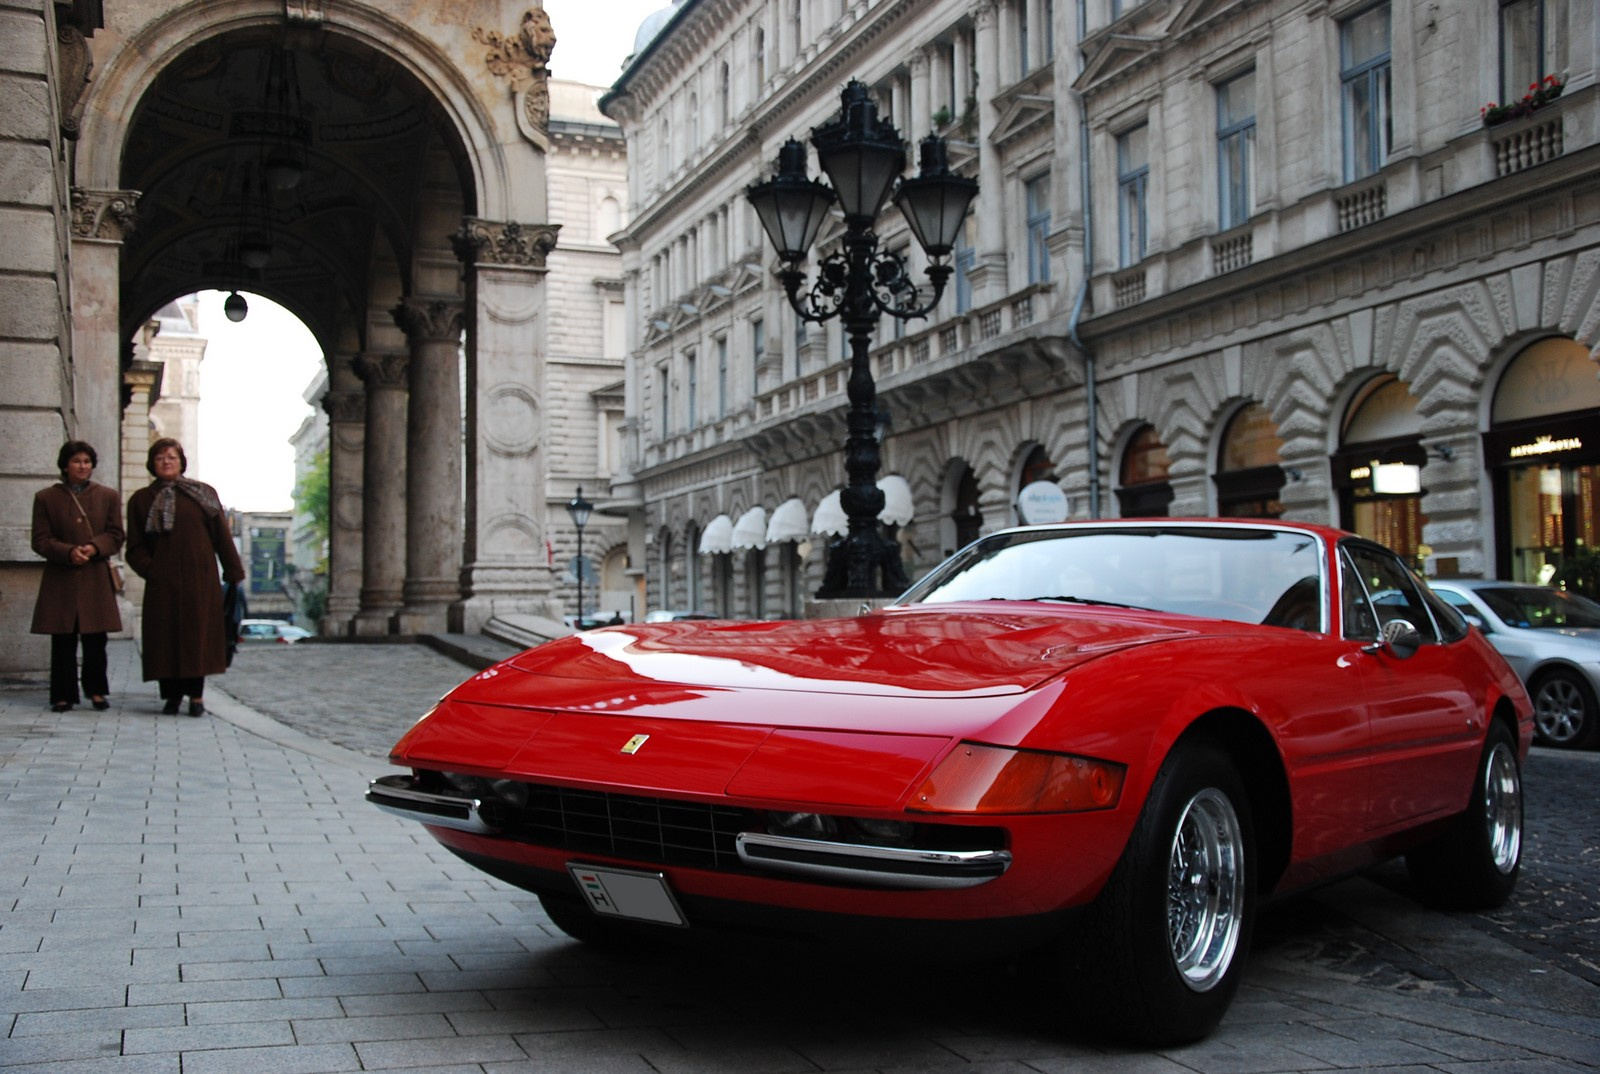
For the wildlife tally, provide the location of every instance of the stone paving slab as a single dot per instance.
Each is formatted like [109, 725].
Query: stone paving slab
[213, 895]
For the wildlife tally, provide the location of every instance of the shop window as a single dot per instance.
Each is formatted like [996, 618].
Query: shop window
[1249, 477]
[1544, 459]
[1381, 427]
[1144, 489]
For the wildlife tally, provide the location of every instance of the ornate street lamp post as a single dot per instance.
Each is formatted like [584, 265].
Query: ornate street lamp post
[579, 509]
[863, 157]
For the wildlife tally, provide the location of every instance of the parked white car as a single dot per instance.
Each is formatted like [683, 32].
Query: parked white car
[1552, 639]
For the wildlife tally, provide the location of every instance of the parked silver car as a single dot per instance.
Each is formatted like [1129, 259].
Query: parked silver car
[1552, 639]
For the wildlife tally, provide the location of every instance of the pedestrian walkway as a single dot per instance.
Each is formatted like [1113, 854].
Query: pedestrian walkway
[212, 895]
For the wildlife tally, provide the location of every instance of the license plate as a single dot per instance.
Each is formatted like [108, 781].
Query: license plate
[628, 893]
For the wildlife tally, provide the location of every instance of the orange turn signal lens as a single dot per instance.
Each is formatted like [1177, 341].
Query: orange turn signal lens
[993, 779]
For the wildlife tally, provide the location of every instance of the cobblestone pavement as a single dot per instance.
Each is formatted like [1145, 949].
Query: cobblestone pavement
[207, 896]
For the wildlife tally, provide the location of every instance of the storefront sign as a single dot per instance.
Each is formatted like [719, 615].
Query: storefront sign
[1546, 445]
[1042, 502]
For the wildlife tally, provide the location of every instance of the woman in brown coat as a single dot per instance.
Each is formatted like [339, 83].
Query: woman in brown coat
[77, 528]
[177, 531]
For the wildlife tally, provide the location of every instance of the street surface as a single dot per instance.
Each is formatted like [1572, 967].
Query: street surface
[198, 896]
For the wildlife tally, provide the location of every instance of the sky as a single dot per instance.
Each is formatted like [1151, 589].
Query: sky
[255, 371]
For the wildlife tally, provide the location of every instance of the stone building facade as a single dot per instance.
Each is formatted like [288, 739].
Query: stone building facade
[380, 169]
[1241, 258]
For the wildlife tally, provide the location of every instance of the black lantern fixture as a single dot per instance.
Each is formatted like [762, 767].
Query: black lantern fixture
[234, 307]
[579, 510]
[863, 157]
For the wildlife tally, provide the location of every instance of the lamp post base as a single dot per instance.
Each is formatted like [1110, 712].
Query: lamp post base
[863, 566]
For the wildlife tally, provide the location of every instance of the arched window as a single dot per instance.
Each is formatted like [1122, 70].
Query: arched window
[1144, 489]
[1544, 457]
[1249, 478]
[963, 518]
[1381, 427]
[608, 217]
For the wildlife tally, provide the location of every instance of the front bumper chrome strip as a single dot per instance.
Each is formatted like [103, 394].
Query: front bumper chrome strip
[891, 867]
[398, 794]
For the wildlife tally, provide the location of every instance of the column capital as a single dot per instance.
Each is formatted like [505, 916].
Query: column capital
[104, 214]
[984, 13]
[343, 406]
[430, 320]
[491, 242]
[379, 370]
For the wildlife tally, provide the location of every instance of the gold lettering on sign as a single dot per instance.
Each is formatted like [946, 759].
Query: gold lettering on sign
[1546, 445]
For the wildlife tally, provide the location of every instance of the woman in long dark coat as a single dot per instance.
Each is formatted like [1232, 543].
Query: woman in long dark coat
[77, 528]
[177, 532]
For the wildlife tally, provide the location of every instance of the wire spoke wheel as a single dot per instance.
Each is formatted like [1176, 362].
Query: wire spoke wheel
[1205, 889]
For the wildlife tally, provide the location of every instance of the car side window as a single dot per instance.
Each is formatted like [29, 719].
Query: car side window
[1359, 622]
[1392, 591]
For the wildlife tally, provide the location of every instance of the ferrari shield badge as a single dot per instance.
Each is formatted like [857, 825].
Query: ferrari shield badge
[633, 744]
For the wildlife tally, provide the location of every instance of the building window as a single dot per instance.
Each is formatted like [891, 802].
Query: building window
[1022, 37]
[758, 348]
[1037, 196]
[664, 390]
[965, 257]
[1364, 74]
[1236, 150]
[799, 343]
[724, 96]
[1133, 182]
[722, 377]
[693, 127]
[1533, 44]
[692, 372]
[758, 61]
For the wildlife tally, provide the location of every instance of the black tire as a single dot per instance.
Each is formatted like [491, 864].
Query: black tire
[1475, 863]
[1168, 937]
[1564, 711]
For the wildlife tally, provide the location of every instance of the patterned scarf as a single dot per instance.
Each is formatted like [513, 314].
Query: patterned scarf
[165, 504]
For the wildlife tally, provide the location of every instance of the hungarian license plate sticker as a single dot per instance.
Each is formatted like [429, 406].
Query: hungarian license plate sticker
[628, 893]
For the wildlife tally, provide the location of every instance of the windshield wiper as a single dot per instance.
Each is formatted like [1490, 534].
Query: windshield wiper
[1091, 600]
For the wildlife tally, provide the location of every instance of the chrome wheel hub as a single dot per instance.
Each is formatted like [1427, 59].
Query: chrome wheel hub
[1205, 889]
[1502, 807]
[1558, 711]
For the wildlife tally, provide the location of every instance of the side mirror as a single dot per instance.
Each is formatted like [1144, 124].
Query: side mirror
[1399, 638]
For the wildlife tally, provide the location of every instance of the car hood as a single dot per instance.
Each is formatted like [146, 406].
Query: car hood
[924, 652]
[740, 708]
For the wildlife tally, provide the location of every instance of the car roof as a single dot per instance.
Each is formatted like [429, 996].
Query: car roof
[1329, 533]
[1484, 583]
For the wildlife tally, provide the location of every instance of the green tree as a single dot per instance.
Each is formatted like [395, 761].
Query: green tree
[312, 499]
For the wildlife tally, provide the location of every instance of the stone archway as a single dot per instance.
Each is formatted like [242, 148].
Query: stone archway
[417, 231]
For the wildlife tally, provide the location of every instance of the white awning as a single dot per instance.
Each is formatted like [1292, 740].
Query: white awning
[717, 537]
[897, 509]
[830, 516]
[788, 522]
[751, 529]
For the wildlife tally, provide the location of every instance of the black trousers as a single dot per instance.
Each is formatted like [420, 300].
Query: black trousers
[173, 689]
[64, 667]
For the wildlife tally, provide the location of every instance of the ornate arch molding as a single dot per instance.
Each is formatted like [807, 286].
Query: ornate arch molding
[131, 69]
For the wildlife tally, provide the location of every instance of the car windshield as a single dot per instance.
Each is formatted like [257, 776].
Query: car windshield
[1242, 574]
[1541, 609]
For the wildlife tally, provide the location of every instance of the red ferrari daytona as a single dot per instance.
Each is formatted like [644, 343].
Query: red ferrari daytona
[1108, 741]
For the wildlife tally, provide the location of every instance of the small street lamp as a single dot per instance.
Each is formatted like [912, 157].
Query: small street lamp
[579, 509]
[863, 157]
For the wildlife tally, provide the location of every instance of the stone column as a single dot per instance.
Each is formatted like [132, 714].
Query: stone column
[433, 327]
[988, 273]
[141, 381]
[383, 491]
[100, 221]
[506, 566]
[346, 410]
[921, 112]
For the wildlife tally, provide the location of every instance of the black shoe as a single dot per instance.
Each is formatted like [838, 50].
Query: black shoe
[100, 703]
[61, 706]
[197, 707]
[171, 707]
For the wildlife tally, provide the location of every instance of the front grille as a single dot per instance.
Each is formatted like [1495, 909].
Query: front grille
[660, 830]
